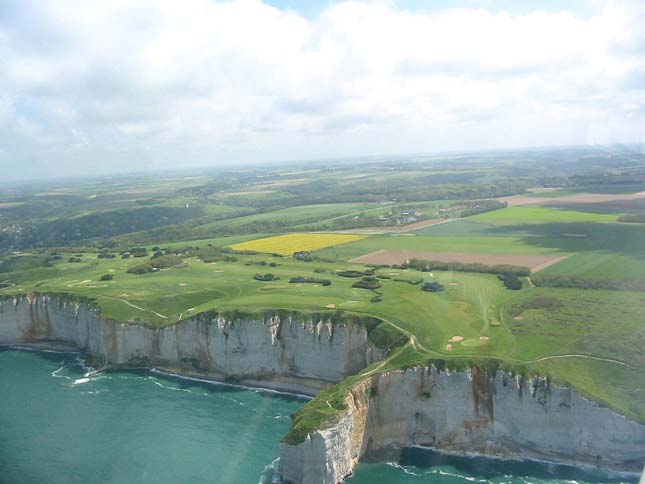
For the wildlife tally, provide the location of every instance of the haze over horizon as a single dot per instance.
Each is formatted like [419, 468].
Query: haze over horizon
[121, 86]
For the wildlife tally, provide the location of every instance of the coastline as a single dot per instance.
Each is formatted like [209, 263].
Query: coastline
[301, 392]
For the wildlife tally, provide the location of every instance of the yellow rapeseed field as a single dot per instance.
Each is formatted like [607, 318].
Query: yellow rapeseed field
[290, 243]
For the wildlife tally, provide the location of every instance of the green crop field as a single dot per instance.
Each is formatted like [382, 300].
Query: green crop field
[512, 215]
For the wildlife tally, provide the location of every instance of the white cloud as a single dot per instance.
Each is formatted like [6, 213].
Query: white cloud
[169, 83]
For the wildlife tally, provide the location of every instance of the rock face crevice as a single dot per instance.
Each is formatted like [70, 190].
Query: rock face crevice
[288, 353]
[495, 415]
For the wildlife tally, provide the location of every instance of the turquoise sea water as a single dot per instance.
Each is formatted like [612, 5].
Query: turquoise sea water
[58, 427]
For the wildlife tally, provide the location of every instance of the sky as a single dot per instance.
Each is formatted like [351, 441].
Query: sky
[122, 85]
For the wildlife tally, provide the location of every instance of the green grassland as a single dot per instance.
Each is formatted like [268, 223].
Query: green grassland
[512, 215]
[606, 325]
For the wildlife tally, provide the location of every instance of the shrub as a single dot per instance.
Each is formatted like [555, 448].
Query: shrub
[350, 273]
[106, 255]
[265, 277]
[166, 261]
[140, 269]
[432, 286]
[106, 277]
[300, 279]
[368, 282]
[138, 251]
[303, 255]
[74, 259]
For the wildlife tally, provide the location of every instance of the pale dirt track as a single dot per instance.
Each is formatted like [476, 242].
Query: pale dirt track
[389, 257]
[400, 228]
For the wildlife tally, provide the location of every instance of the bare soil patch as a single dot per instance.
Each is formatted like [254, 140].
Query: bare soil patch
[389, 257]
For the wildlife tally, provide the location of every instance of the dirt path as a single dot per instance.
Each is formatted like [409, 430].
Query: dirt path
[576, 355]
[400, 229]
[355, 213]
[135, 306]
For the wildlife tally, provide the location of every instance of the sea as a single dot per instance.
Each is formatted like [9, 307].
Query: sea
[59, 426]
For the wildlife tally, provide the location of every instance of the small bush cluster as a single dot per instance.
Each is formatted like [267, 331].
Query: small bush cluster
[300, 279]
[106, 255]
[106, 277]
[432, 286]
[260, 263]
[368, 282]
[136, 252]
[303, 256]
[350, 273]
[162, 262]
[265, 277]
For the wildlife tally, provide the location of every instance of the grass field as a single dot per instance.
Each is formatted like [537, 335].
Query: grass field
[540, 215]
[290, 243]
[475, 308]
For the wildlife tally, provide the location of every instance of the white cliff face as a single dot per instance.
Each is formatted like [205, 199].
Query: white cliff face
[282, 352]
[449, 411]
[462, 412]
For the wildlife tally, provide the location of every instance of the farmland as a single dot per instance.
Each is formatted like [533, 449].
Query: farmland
[221, 231]
[397, 257]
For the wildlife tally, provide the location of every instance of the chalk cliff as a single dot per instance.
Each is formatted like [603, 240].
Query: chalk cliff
[289, 353]
[489, 414]
[493, 414]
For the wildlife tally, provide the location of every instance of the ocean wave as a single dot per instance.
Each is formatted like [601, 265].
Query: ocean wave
[270, 473]
[231, 385]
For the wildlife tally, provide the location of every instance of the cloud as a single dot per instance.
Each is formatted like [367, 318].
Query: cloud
[102, 86]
